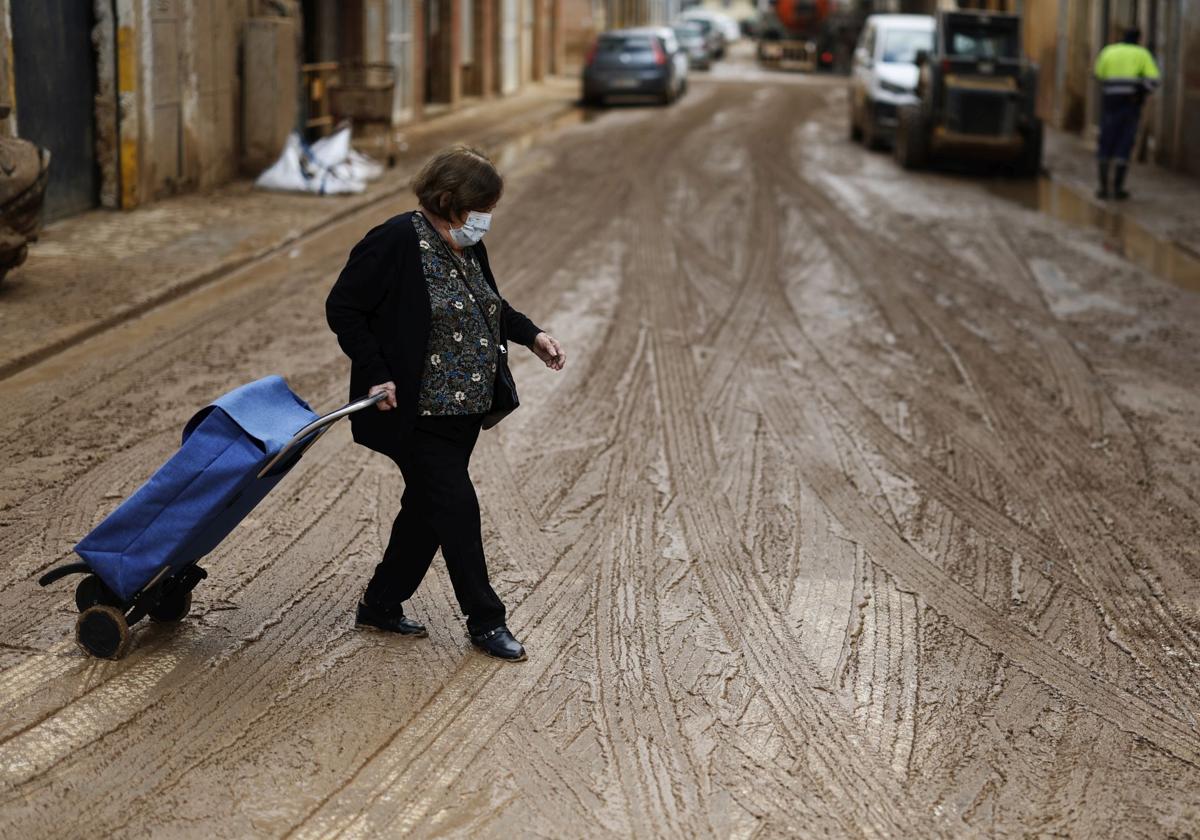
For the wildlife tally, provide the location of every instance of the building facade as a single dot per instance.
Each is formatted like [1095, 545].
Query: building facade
[141, 99]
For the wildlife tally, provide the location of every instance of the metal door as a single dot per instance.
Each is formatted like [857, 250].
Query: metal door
[55, 69]
[400, 54]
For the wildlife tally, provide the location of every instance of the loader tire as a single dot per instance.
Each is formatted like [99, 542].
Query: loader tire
[1029, 164]
[912, 140]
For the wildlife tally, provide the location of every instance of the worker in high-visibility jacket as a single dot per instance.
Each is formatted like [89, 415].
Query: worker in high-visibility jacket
[1128, 73]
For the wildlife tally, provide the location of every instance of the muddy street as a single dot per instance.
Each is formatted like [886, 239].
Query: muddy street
[865, 507]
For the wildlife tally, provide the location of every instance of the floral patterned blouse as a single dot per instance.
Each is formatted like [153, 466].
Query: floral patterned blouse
[460, 363]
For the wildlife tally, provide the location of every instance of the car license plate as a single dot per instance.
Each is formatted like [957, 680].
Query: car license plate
[624, 82]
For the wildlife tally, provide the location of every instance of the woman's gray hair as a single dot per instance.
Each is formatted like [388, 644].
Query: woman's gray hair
[457, 181]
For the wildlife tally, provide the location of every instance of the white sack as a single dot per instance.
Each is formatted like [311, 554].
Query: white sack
[299, 170]
[336, 153]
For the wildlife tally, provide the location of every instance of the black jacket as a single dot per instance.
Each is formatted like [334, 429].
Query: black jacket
[379, 310]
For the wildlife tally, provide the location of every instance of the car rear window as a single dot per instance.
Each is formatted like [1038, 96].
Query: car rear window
[626, 43]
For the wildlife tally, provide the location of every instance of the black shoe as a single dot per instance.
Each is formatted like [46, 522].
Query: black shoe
[500, 644]
[1102, 194]
[370, 617]
[1120, 195]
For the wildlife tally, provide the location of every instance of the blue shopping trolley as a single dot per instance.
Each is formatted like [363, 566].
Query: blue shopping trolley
[141, 560]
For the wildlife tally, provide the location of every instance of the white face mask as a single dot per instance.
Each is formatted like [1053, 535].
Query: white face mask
[473, 229]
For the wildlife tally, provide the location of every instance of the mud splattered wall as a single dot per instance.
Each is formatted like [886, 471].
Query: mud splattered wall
[191, 93]
[1185, 141]
[210, 123]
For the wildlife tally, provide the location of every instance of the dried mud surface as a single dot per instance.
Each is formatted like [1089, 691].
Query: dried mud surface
[866, 507]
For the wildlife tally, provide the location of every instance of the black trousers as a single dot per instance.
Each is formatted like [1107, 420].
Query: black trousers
[439, 509]
[1118, 127]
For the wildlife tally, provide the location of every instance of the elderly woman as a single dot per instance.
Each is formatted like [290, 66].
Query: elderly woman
[417, 311]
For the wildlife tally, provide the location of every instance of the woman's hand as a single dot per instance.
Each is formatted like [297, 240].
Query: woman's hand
[389, 402]
[547, 348]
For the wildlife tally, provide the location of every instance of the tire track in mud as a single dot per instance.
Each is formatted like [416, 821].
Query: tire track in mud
[893, 310]
[1023, 423]
[820, 728]
[917, 574]
[743, 315]
[979, 621]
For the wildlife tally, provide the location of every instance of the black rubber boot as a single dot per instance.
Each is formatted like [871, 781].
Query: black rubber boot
[1119, 182]
[1103, 191]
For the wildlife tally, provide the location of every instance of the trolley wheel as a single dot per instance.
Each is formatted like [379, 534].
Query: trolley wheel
[91, 591]
[173, 607]
[102, 632]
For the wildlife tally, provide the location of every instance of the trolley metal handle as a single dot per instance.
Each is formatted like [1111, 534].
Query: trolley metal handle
[318, 427]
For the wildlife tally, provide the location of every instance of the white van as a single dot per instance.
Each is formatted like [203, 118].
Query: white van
[885, 73]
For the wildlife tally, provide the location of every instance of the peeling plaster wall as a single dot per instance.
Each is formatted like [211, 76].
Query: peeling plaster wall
[8, 94]
[188, 92]
[129, 121]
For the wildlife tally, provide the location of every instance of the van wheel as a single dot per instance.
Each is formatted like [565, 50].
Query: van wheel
[856, 133]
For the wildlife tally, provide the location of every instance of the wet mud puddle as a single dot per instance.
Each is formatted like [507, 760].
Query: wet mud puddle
[1122, 234]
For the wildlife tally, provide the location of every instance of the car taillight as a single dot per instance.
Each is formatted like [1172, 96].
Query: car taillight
[591, 56]
[660, 57]
[827, 57]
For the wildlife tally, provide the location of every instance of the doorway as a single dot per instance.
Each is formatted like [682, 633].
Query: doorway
[438, 35]
[54, 66]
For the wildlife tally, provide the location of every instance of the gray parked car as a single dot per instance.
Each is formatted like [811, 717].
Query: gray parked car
[712, 34]
[690, 35]
[647, 61]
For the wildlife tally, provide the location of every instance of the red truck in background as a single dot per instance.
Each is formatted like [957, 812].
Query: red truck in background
[809, 34]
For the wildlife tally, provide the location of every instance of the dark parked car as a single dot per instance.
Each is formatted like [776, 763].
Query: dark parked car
[647, 61]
